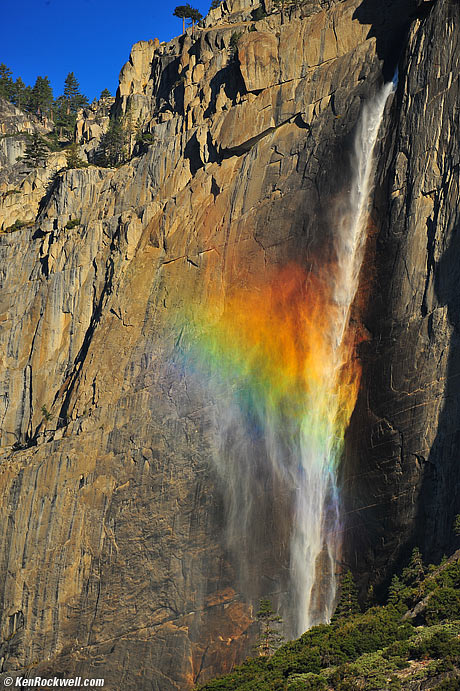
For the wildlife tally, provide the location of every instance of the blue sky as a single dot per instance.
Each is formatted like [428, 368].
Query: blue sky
[91, 38]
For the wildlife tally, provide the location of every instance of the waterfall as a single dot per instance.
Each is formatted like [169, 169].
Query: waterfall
[275, 354]
[315, 543]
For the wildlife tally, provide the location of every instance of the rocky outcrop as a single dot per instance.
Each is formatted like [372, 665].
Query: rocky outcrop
[21, 188]
[92, 122]
[406, 429]
[112, 558]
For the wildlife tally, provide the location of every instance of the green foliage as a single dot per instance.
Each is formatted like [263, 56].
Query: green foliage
[284, 4]
[6, 82]
[195, 16]
[21, 94]
[457, 525]
[270, 637]
[258, 14]
[215, 4]
[447, 685]
[105, 94]
[145, 138]
[372, 669]
[17, 225]
[73, 157]
[39, 101]
[440, 645]
[17, 92]
[373, 651]
[187, 12]
[370, 598]
[348, 601]
[234, 38]
[320, 648]
[41, 96]
[52, 140]
[72, 223]
[414, 572]
[307, 682]
[449, 576]
[67, 106]
[46, 413]
[443, 604]
[395, 591]
[36, 151]
[112, 148]
[72, 95]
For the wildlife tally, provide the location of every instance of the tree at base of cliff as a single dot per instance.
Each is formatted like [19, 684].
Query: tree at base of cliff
[36, 152]
[395, 591]
[414, 573]
[269, 638]
[348, 604]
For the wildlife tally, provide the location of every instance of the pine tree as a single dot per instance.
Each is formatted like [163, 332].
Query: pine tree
[195, 16]
[105, 94]
[73, 157]
[348, 601]
[414, 572]
[36, 151]
[370, 598]
[457, 525]
[21, 94]
[112, 147]
[41, 96]
[394, 591]
[67, 107]
[215, 4]
[72, 95]
[269, 638]
[187, 12]
[6, 82]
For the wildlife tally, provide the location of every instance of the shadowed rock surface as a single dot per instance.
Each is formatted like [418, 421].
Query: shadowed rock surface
[406, 426]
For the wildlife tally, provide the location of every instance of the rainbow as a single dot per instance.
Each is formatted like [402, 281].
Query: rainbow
[269, 348]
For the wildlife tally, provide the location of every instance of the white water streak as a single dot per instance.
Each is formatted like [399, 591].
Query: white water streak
[314, 545]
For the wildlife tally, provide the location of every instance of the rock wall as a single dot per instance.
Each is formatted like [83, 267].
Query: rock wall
[112, 559]
[401, 485]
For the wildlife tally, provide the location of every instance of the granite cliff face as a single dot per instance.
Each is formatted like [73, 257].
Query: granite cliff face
[112, 557]
[402, 483]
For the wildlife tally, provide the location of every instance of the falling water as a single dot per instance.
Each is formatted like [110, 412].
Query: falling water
[276, 356]
[315, 544]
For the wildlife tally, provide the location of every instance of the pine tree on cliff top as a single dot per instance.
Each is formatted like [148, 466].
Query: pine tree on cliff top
[21, 94]
[195, 16]
[6, 82]
[186, 12]
[72, 95]
[41, 96]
